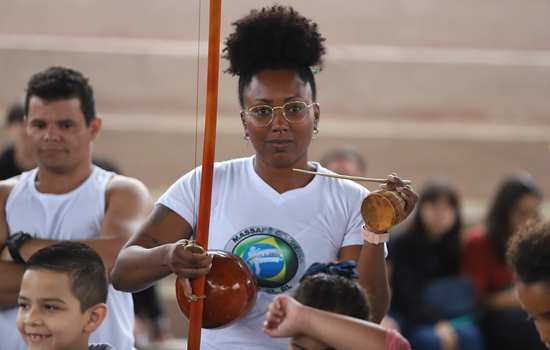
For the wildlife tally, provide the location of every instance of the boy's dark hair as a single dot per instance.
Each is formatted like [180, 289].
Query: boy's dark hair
[499, 228]
[83, 265]
[529, 254]
[275, 37]
[15, 114]
[61, 83]
[333, 293]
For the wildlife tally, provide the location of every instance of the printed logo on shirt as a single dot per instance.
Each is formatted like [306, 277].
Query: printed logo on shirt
[273, 256]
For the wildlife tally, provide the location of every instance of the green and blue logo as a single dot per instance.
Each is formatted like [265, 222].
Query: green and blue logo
[273, 256]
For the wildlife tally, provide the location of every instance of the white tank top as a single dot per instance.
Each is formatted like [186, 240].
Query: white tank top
[76, 215]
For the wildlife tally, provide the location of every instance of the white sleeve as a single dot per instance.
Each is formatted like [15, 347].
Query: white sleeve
[353, 235]
[183, 196]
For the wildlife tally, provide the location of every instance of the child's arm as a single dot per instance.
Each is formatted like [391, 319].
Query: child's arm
[287, 318]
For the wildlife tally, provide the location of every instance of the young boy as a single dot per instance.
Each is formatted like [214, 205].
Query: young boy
[529, 256]
[62, 298]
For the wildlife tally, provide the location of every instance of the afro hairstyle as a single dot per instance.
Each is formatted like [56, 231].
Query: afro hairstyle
[275, 37]
[529, 254]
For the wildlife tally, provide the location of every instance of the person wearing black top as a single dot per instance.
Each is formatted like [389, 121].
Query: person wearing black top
[430, 301]
[16, 156]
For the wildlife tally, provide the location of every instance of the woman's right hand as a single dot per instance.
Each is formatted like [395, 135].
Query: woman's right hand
[186, 264]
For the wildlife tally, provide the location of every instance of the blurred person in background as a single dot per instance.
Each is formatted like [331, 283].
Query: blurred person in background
[151, 323]
[345, 161]
[529, 256]
[430, 301]
[503, 323]
[17, 156]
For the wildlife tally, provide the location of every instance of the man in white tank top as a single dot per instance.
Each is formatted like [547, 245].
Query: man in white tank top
[66, 198]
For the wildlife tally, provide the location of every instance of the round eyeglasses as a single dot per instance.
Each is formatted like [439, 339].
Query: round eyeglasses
[293, 112]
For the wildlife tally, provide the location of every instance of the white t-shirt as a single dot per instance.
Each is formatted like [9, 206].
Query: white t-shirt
[76, 215]
[277, 235]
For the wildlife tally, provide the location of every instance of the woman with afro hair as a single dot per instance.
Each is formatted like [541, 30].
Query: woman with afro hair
[278, 221]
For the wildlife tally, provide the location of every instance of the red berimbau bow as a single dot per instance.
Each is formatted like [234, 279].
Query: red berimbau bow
[195, 318]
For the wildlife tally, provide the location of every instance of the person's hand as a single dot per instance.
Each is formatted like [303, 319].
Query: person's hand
[283, 317]
[446, 335]
[395, 183]
[186, 264]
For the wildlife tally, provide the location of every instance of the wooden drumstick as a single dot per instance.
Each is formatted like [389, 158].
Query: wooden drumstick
[347, 177]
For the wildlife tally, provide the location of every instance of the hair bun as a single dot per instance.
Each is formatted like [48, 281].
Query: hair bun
[275, 37]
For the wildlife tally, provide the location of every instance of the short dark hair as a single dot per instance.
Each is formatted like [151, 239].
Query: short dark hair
[275, 37]
[83, 265]
[61, 83]
[344, 153]
[511, 190]
[529, 254]
[333, 293]
[15, 114]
